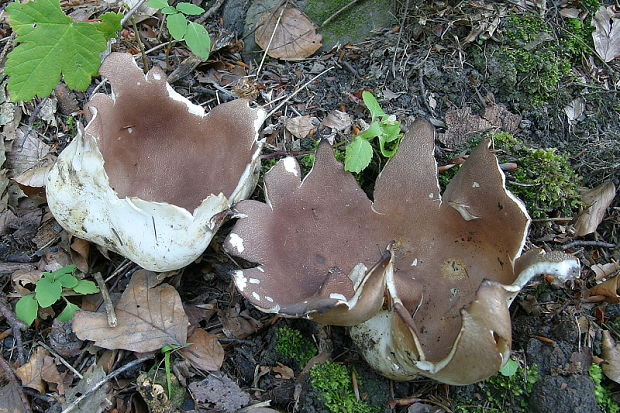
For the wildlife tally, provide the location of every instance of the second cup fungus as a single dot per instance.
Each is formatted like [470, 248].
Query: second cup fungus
[424, 279]
[150, 174]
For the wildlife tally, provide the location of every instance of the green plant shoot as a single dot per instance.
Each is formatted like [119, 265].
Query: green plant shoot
[195, 35]
[358, 153]
[48, 290]
[167, 350]
[52, 45]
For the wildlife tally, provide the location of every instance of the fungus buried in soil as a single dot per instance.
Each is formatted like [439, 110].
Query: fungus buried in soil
[449, 265]
[150, 174]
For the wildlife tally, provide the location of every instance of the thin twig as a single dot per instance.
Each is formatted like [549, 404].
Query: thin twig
[275, 28]
[16, 325]
[400, 34]
[62, 360]
[10, 375]
[122, 267]
[6, 47]
[131, 12]
[343, 8]
[210, 12]
[305, 85]
[107, 301]
[103, 381]
[583, 243]
[145, 60]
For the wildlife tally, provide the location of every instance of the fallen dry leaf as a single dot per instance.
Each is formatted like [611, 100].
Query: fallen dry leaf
[285, 372]
[10, 401]
[150, 316]
[224, 393]
[608, 289]
[611, 354]
[80, 251]
[575, 109]
[293, 36]
[338, 120]
[197, 313]
[205, 352]
[237, 324]
[602, 271]
[606, 34]
[21, 278]
[32, 181]
[597, 200]
[39, 368]
[97, 401]
[26, 151]
[462, 124]
[301, 126]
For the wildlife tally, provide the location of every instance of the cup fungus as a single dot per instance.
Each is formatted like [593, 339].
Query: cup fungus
[150, 174]
[449, 265]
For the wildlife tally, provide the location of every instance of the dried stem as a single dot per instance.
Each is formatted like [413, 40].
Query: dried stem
[107, 301]
[62, 360]
[210, 12]
[145, 60]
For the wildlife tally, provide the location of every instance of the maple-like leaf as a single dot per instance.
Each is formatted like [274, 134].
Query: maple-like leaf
[51, 45]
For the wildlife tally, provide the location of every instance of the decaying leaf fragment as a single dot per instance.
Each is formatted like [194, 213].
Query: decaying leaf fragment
[606, 33]
[596, 201]
[205, 352]
[448, 264]
[151, 172]
[149, 317]
[286, 33]
[611, 355]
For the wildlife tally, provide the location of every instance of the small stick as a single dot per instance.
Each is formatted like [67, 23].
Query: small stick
[583, 243]
[400, 33]
[131, 12]
[343, 8]
[122, 267]
[103, 381]
[62, 360]
[10, 374]
[210, 12]
[275, 28]
[145, 60]
[16, 325]
[305, 85]
[107, 301]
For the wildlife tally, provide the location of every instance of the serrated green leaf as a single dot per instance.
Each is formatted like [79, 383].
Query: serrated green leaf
[372, 105]
[47, 292]
[177, 25]
[357, 155]
[198, 40]
[391, 131]
[67, 312]
[86, 287]
[68, 281]
[110, 24]
[157, 4]
[169, 10]
[51, 45]
[26, 309]
[189, 9]
[373, 131]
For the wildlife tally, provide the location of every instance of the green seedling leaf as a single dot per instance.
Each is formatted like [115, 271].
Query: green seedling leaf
[189, 9]
[198, 40]
[157, 4]
[177, 25]
[60, 272]
[67, 281]
[384, 151]
[510, 368]
[372, 105]
[391, 131]
[373, 131]
[50, 45]
[86, 287]
[47, 291]
[26, 309]
[169, 10]
[67, 313]
[358, 155]
[110, 24]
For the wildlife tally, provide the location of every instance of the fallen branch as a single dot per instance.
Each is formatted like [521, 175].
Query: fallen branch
[582, 243]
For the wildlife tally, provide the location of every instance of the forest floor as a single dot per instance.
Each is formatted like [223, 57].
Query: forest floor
[473, 69]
